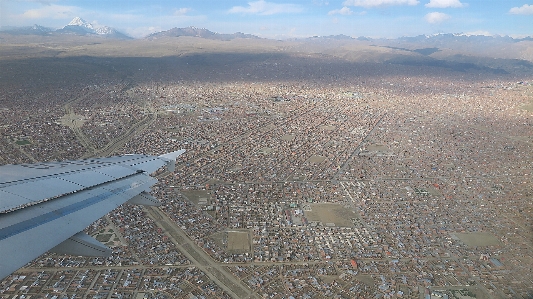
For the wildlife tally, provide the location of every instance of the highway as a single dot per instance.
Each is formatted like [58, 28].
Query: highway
[224, 279]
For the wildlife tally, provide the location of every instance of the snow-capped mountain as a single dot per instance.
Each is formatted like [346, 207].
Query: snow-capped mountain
[79, 26]
[77, 21]
[105, 30]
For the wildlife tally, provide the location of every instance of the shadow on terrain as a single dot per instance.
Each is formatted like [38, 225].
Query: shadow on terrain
[238, 67]
[427, 51]
[455, 66]
[423, 51]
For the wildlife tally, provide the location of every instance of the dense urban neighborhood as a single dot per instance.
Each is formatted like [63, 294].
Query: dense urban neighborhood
[305, 175]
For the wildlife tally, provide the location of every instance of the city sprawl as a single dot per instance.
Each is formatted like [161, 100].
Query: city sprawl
[304, 176]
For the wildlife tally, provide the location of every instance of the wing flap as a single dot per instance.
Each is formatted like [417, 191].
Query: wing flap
[82, 244]
[87, 178]
[10, 201]
[145, 199]
[37, 191]
[116, 171]
[41, 227]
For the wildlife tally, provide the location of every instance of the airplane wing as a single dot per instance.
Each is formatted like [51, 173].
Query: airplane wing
[45, 206]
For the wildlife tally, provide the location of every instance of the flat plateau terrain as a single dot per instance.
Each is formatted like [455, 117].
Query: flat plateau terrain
[315, 168]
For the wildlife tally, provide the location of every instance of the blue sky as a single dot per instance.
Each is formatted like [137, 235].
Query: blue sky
[283, 18]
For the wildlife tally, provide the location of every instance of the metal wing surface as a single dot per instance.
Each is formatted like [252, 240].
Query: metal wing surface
[45, 206]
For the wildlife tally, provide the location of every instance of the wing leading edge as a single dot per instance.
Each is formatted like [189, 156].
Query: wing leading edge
[45, 206]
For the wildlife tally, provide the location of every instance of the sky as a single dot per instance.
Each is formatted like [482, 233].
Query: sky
[281, 19]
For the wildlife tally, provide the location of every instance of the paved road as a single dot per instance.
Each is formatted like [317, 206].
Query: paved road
[82, 138]
[136, 129]
[216, 272]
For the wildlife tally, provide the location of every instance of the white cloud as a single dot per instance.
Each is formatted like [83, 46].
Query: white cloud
[345, 11]
[372, 3]
[142, 31]
[43, 2]
[445, 4]
[181, 11]
[320, 2]
[436, 17]
[524, 10]
[51, 11]
[262, 7]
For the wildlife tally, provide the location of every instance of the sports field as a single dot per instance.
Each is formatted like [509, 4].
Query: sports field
[196, 195]
[238, 241]
[331, 213]
[478, 239]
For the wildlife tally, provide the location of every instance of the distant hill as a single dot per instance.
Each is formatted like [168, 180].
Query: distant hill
[28, 30]
[198, 32]
[450, 45]
[452, 40]
[77, 26]
[329, 37]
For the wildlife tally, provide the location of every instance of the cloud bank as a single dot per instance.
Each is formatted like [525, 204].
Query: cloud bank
[374, 3]
[345, 11]
[436, 17]
[445, 4]
[524, 10]
[51, 11]
[266, 8]
[181, 11]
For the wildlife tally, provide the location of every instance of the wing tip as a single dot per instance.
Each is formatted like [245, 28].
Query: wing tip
[172, 155]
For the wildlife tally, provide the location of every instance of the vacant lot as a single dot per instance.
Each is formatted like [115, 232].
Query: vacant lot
[327, 128]
[317, 159]
[73, 120]
[266, 150]
[23, 142]
[378, 148]
[287, 137]
[195, 195]
[478, 239]
[331, 213]
[103, 237]
[528, 107]
[238, 241]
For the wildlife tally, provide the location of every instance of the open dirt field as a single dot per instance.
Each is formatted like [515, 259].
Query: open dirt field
[328, 128]
[195, 195]
[109, 237]
[317, 159]
[238, 241]
[73, 120]
[378, 148]
[528, 107]
[266, 150]
[287, 137]
[478, 239]
[367, 279]
[331, 213]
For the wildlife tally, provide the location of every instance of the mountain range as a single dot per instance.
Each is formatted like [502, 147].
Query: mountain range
[77, 26]
[198, 32]
[80, 27]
